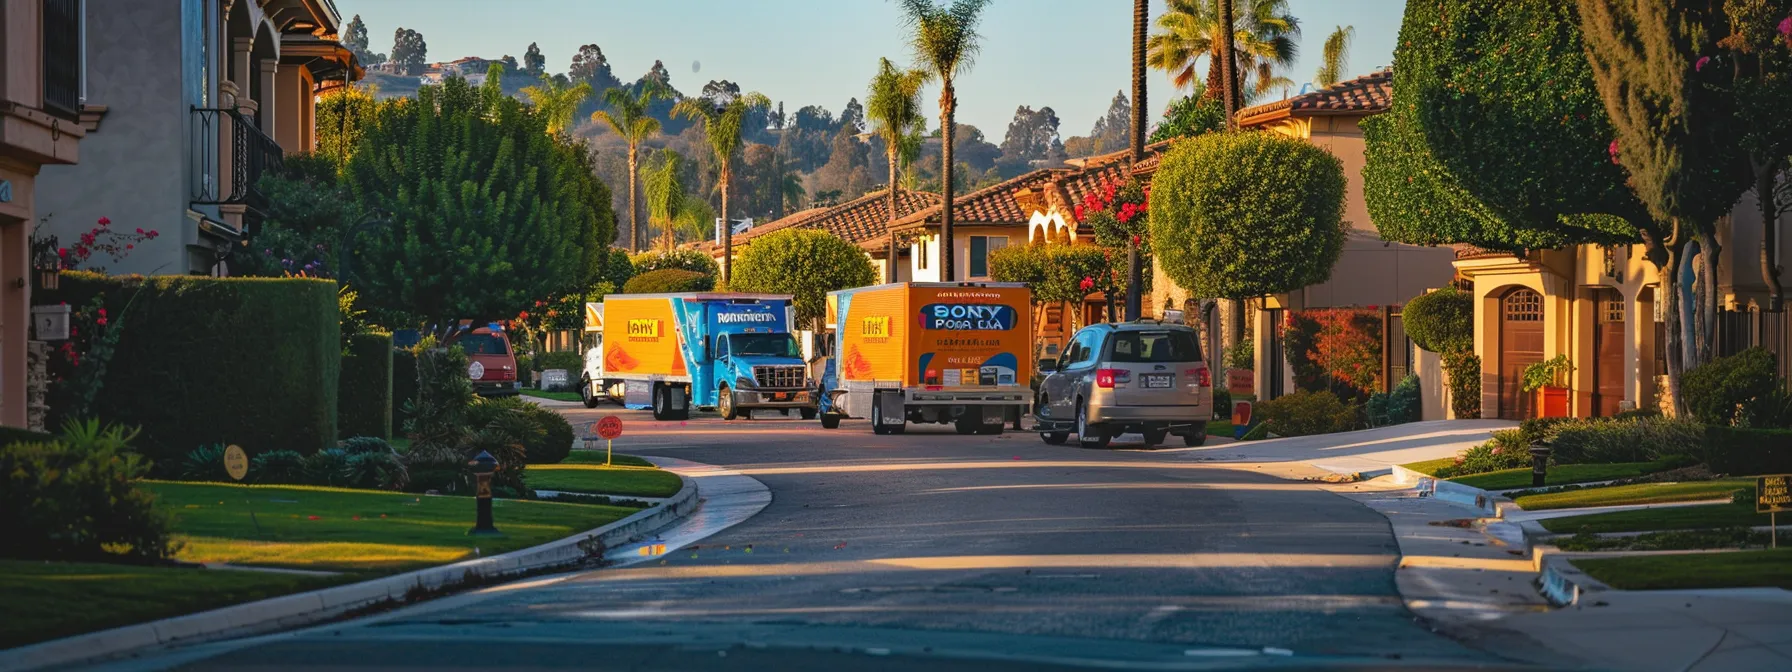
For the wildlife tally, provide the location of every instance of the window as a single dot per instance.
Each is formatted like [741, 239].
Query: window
[764, 345]
[482, 344]
[1134, 347]
[721, 346]
[921, 254]
[1523, 306]
[1082, 350]
[981, 246]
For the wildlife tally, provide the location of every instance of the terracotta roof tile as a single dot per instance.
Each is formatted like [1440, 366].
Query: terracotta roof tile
[994, 204]
[1367, 94]
[858, 220]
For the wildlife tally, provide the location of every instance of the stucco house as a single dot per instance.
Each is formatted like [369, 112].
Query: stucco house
[190, 124]
[863, 221]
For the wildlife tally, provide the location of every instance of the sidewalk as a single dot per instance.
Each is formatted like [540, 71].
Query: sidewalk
[1370, 452]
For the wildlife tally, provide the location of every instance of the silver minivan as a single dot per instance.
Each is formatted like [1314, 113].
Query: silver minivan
[1145, 376]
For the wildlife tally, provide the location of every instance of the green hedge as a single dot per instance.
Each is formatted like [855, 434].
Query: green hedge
[404, 385]
[364, 397]
[573, 362]
[669, 280]
[246, 361]
[12, 435]
[1748, 452]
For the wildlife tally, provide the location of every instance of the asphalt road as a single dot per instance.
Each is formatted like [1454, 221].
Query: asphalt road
[935, 550]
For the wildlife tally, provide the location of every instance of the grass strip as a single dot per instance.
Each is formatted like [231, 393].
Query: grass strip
[600, 480]
[1561, 474]
[1676, 518]
[1639, 493]
[1430, 467]
[1738, 569]
[556, 396]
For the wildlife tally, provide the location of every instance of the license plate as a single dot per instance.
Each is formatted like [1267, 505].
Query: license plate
[1156, 380]
[783, 396]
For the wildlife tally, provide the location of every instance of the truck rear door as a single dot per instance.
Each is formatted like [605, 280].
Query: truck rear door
[1155, 368]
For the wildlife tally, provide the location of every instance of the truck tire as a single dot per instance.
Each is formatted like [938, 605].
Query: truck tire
[877, 417]
[808, 414]
[1054, 438]
[725, 404]
[965, 425]
[1194, 440]
[660, 403]
[1090, 436]
[585, 394]
[830, 421]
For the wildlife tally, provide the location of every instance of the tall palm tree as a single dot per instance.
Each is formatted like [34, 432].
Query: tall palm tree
[945, 43]
[557, 102]
[627, 115]
[1335, 59]
[791, 192]
[723, 125]
[665, 194]
[1141, 13]
[1263, 40]
[894, 110]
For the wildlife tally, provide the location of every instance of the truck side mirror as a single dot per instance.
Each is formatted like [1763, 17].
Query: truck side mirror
[1048, 365]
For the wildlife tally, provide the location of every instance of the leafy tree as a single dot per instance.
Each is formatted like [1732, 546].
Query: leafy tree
[1264, 35]
[409, 51]
[720, 92]
[1189, 116]
[534, 64]
[853, 117]
[1112, 132]
[722, 127]
[1442, 321]
[665, 193]
[1032, 136]
[556, 102]
[895, 115]
[1759, 47]
[848, 170]
[355, 38]
[484, 212]
[944, 40]
[814, 118]
[341, 117]
[1056, 273]
[628, 116]
[1238, 215]
[589, 66]
[804, 263]
[1334, 61]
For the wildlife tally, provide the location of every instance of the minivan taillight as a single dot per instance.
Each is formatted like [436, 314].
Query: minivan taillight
[1105, 378]
[1203, 376]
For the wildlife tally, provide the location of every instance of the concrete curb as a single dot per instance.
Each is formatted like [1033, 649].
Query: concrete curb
[304, 608]
[1449, 491]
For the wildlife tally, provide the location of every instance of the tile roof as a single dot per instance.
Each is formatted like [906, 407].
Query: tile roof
[1367, 94]
[994, 204]
[858, 220]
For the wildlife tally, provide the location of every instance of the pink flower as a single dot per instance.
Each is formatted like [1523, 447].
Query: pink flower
[139, 230]
[1613, 150]
[62, 252]
[1700, 64]
[1786, 26]
[104, 221]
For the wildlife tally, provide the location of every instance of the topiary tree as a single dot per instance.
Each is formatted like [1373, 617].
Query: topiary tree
[1441, 321]
[804, 263]
[1238, 215]
[669, 280]
[683, 259]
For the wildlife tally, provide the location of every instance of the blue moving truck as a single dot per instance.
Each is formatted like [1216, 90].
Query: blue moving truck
[728, 351]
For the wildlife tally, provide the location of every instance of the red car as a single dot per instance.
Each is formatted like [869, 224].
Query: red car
[491, 363]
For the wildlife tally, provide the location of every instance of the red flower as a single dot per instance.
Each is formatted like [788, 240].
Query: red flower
[1699, 65]
[1087, 283]
[62, 252]
[101, 321]
[1613, 150]
[1135, 240]
[129, 246]
[139, 230]
[105, 221]
[1079, 213]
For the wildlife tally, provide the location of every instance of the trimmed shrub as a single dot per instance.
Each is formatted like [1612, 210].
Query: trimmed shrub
[75, 498]
[1397, 406]
[205, 463]
[1716, 391]
[1242, 356]
[1748, 452]
[327, 467]
[556, 437]
[364, 397]
[356, 445]
[373, 470]
[1607, 441]
[249, 361]
[669, 280]
[1441, 321]
[1506, 450]
[404, 385]
[573, 362]
[11, 435]
[278, 466]
[1303, 413]
[681, 259]
[1462, 371]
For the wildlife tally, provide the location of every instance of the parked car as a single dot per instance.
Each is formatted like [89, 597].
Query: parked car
[1146, 377]
[491, 361]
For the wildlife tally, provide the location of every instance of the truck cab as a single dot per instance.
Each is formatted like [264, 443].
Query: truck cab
[732, 352]
[760, 371]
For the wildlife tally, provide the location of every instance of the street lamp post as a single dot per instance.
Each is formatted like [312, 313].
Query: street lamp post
[483, 466]
[1539, 462]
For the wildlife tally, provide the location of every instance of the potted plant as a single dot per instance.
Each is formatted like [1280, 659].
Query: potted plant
[1549, 380]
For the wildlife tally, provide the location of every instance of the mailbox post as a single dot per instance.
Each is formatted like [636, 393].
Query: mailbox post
[1539, 462]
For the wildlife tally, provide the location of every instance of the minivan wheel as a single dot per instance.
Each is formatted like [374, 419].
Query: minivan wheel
[1193, 440]
[1089, 436]
[1155, 437]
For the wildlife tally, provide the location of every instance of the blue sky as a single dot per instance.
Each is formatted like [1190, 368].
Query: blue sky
[1071, 55]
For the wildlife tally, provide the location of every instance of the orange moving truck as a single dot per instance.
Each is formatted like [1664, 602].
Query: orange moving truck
[929, 352]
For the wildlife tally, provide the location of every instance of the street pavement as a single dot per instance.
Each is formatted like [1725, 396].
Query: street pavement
[933, 549]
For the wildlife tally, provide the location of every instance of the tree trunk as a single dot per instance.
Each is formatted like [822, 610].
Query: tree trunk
[947, 131]
[890, 261]
[727, 228]
[1673, 350]
[634, 210]
[1770, 230]
[1228, 64]
[1141, 9]
[1704, 336]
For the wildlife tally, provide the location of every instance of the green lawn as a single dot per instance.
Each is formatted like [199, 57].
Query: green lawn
[64, 598]
[601, 480]
[1738, 569]
[1430, 467]
[1561, 474]
[1219, 428]
[556, 396]
[1640, 493]
[581, 456]
[1676, 518]
[336, 529]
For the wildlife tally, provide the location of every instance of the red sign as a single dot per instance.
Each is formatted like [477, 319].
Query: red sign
[1240, 381]
[608, 428]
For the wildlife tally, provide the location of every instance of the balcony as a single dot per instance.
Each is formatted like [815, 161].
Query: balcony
[230, 154]
[62, 58]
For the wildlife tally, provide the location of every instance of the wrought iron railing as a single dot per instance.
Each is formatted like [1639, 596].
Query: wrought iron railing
[250, 153]
[61, 41]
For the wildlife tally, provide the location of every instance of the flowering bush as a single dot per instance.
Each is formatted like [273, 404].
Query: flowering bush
[1337, 349]
[78, 368]
[101, 239]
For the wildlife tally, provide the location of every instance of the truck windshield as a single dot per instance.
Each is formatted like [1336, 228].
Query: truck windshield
[763, 345]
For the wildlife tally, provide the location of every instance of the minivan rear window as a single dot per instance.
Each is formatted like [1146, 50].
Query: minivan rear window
[482, 344]
[1154, 346]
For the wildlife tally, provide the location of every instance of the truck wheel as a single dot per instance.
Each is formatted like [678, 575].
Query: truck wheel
[830, 421]
[725, 404]
[993, 429]
[1154, 437]
[963, 424]
[585, 394]
[660, 404]
[1089, 435]
[877, 416]
[1054, 438]
[808, 414]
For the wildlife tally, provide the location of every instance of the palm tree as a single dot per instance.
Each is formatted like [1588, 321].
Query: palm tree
[894, 109]
[1141, 13]
[557, 102]
[1263, 39]
[791, 192]
[628, 117]
[1331, 68]
[665, 194]
[723, 125]
[945, 42]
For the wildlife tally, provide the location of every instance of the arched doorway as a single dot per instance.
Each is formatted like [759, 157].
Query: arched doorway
[1608, 351]
[1521, 344]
